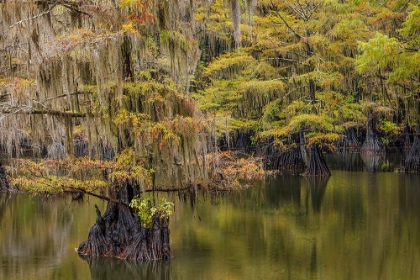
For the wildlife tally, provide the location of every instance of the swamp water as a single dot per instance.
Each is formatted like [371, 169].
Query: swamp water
[353, 225]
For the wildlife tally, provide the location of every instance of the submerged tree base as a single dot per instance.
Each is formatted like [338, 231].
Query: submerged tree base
[119, 233]
[317, 165]
[412, 163]
[290, 160]
[372, 144]
[5, 185]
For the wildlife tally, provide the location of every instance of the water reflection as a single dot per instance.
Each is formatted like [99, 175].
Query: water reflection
[345, 161]
[317, 188]
[373, 162]
[107, 268]
[364, 162]
[353, 225]
[38, 236]
[299, 192]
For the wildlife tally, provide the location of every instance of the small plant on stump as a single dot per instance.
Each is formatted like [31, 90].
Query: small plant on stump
[151, 242]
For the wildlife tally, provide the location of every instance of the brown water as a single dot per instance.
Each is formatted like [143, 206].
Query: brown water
[354, 225]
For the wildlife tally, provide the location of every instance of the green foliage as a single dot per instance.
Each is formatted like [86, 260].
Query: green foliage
[145, 210]
[388, 127]
[379, 53]
[272, 112]
[230, 65]
[318, 67]
[302, 122]
[411, 26]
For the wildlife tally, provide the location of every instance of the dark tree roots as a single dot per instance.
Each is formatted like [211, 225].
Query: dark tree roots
[412, 162]
[4, 182]
[317, 165]
[119, 233]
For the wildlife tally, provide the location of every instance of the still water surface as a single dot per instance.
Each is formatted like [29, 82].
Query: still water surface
[354, 225]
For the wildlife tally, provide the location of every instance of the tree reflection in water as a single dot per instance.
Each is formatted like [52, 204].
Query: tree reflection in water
[317, 188]
[110, 268]
[373, 162]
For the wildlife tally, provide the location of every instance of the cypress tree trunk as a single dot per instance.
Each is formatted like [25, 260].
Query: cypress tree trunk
[412, 161]
[4, 182]
[407, 140]
[317, 165]
[120, 233]
[290, 159]
[372, 144]
[351, 144]
[303, 152]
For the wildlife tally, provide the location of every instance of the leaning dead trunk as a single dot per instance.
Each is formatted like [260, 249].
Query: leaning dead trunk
[120, 233]
[317, 165]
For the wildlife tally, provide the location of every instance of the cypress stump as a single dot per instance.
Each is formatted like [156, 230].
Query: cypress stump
[317, 165]
[120, 233]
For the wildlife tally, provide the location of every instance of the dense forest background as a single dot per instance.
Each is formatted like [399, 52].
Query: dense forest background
[163, 92]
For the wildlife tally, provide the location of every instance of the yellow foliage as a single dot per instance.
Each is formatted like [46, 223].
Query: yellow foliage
[128, 27]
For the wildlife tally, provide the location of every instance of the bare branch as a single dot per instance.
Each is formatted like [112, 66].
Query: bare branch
[34, 17]
[288, 26]
[66, 4]
[68, 94]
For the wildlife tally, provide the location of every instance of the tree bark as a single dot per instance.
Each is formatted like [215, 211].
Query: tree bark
[317, 165]
[412, 162]
[372, 144]
[4, 182]
[120, 233]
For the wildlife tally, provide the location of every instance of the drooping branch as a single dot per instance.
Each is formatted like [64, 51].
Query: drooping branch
[109, 199]
[103, 197]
